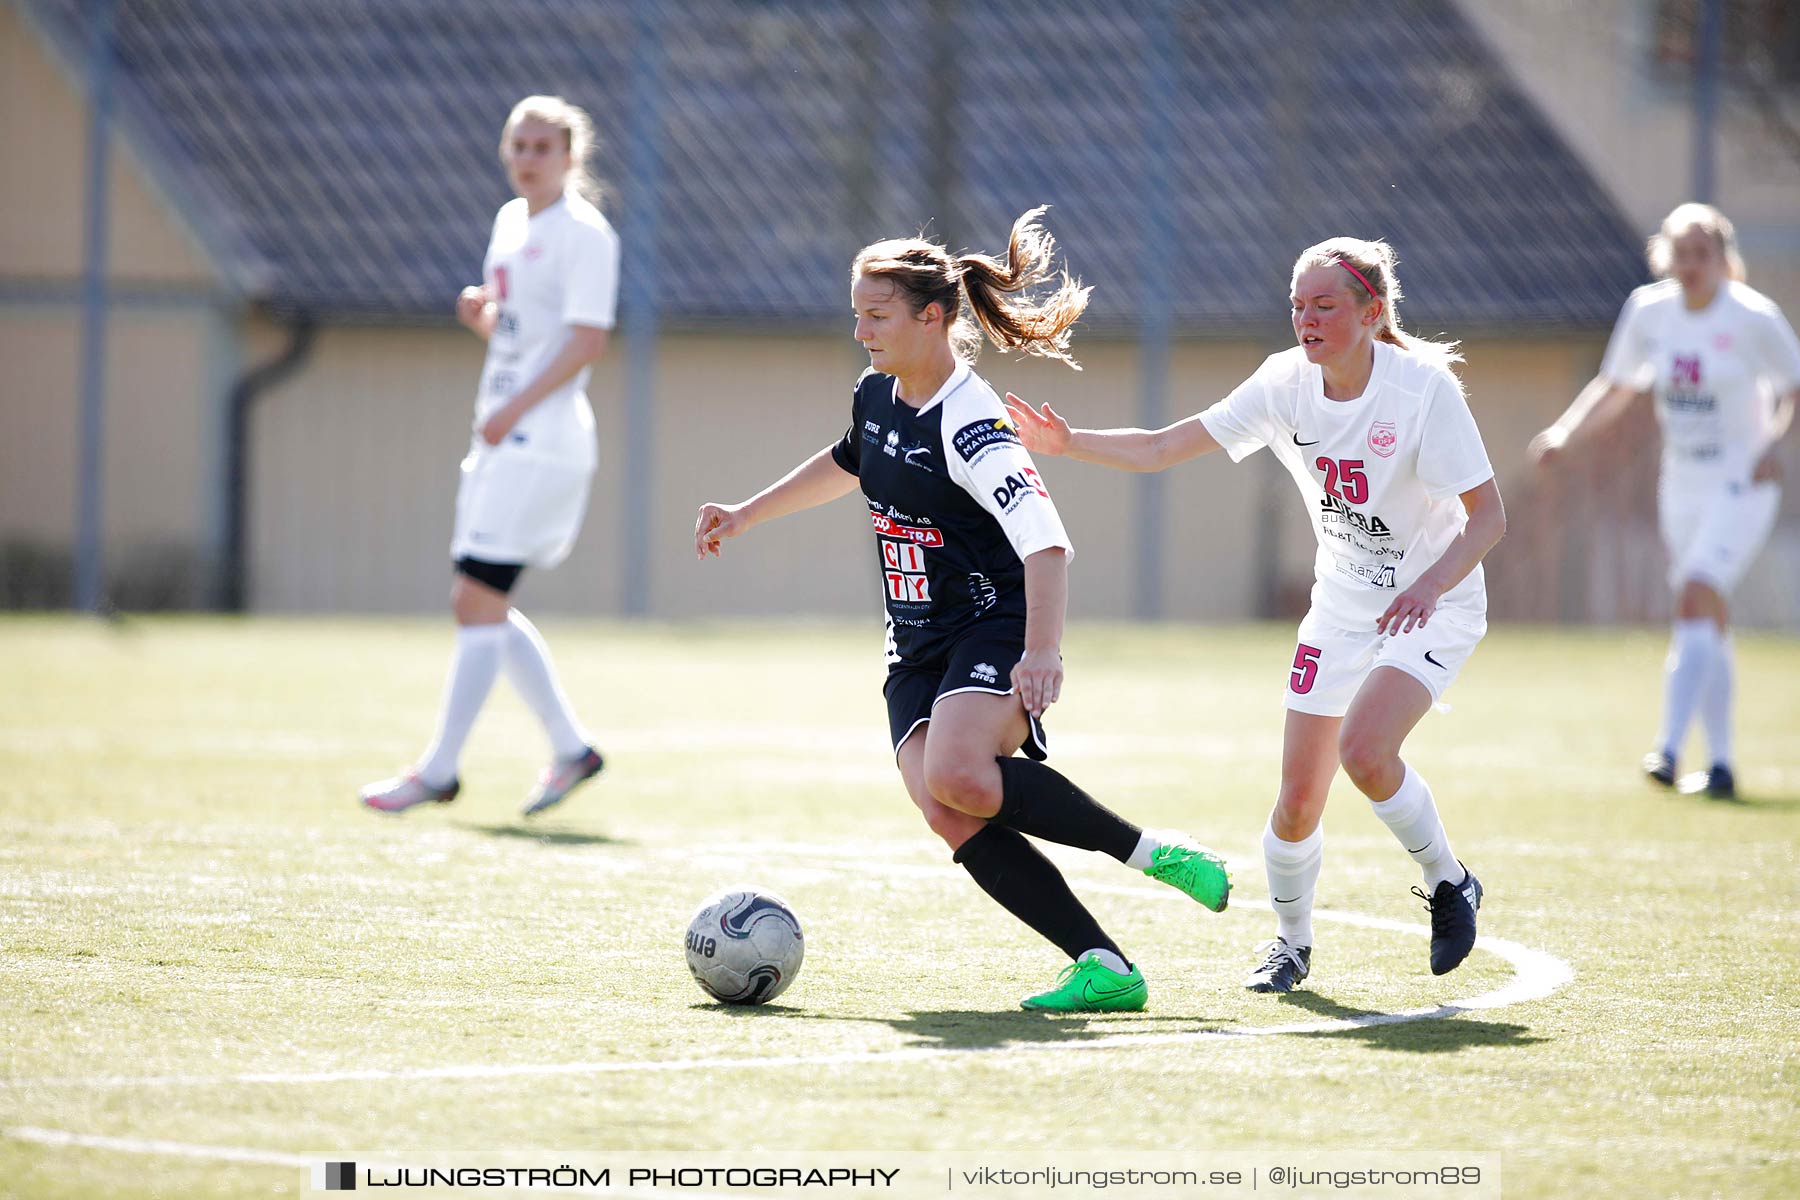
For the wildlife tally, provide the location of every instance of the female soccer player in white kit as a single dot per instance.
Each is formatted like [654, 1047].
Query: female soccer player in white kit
[551, 281]
[1724, 367]
[1373, 426]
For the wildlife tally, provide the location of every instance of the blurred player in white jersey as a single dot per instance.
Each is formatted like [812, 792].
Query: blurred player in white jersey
[974, 562]
[1373, 426]
[1724, 367]
[545, 306]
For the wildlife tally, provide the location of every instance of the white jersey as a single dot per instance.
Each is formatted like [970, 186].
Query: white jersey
[1714, 373]
[1380, 474]
[546, 273]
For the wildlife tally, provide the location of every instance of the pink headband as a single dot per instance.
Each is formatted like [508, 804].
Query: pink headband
[1359, 277]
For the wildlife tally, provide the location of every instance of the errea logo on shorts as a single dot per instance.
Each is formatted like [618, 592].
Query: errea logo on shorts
[985, 672]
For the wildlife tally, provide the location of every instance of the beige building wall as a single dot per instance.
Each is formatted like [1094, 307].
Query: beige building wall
[1591, 68]
[168, 359]
[354, 474]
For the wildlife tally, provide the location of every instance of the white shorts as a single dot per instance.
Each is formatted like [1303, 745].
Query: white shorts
[1331, 662]
[513, 508]
[1713, 534]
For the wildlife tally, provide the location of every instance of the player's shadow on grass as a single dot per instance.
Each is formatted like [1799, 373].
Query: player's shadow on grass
[962, 1029]
[547, 837]
[1420, 1035]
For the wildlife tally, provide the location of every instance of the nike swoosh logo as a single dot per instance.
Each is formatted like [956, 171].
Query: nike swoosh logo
[1434, 662]
[1421, 849]
[1094, 993]
[1298, 442]
[1283, 899]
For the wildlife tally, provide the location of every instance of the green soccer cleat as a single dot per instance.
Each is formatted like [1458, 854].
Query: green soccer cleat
[1195, 870]
[1088, 985]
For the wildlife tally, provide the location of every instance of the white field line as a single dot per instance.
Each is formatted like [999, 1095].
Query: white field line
[1536, 974]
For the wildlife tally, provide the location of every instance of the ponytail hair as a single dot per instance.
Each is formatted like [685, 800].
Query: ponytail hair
[1660, 249]
[578, 138]
[1371, 276]
[980, 295]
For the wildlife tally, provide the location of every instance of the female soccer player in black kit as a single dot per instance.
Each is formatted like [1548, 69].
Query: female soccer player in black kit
[974, 564]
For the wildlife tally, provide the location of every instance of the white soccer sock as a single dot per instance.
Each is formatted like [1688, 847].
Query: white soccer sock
[527, 662]
[1109, 960]
[1715, 703]
[1692, 652]
[473, 666]
[1149, 842]
[1412, 816]
[1293, 870]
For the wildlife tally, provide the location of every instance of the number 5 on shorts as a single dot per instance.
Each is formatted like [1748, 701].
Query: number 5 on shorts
[1306, 669]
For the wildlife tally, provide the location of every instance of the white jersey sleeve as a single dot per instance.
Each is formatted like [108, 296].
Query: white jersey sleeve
[591, 294]
[1628, 361]
[987, 460]
[1243, 422]
[1777, 349]
[1452, 458]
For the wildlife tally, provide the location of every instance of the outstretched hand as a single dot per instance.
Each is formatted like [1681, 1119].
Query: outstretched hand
[1043, 431]
[715, 523]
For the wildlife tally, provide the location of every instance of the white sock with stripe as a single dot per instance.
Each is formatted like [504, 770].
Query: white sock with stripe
[528, 667]
[473, 666]
[1715, 703]
[1411, 815]
[1293, 871]
[1693, 649]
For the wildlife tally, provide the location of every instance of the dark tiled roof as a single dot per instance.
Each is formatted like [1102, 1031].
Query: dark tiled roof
[339, 156]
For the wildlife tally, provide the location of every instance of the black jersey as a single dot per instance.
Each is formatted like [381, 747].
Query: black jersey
[956, 504]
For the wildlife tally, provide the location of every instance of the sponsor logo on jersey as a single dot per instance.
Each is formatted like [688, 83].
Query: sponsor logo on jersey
[977, 436]
[918, 456]
[1332, 510]
[1016, 488]
[984, 672]
[1298, 442]
[893, 443]
[1376, 575]
[871, 432]
[983, 591]
[1383, 438]
[1686, 372]
[903, 571]
[888, 527]
[1721, 342]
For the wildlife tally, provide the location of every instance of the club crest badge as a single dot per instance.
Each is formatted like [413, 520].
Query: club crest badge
[1383, 438]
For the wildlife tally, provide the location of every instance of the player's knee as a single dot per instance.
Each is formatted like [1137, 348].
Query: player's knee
[1365, 759]
[1293, 820]
[971, 788]
[953, 827]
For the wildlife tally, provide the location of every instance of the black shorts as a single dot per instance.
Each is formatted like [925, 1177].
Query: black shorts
[499, 576]
[980, 660]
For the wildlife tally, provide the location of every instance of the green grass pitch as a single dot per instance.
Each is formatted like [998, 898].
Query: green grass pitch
[190, 898]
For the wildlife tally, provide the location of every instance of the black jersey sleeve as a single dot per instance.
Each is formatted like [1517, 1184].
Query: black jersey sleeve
[848, 451]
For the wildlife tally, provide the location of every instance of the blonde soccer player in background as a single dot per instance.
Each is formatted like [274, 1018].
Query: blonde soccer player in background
[1724, 367]
[545, 306]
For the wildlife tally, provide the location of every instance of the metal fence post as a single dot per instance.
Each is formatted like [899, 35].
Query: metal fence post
[90, 571]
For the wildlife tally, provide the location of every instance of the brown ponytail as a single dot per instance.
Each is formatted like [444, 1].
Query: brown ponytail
[987, 288]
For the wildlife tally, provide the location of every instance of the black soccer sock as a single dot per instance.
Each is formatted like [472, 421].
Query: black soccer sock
[1038, 800]
[1028, 885]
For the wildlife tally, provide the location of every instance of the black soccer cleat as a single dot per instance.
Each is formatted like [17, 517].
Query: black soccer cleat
[1452, 907]
[1659, 765]
[1715, 781]
[1282, 970]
